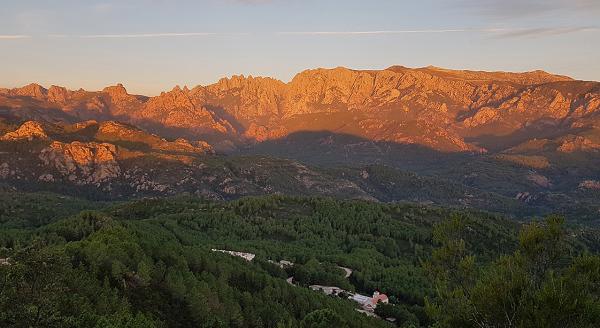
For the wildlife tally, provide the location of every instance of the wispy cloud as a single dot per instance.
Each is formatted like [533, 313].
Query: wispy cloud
[14, 37]
[376, 32]
[543, 31]
[497, 32]
[153, 35]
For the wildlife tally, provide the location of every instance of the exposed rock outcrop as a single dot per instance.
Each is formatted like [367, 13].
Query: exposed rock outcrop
[448, 110]
[590, 184]
[83, 163]
[578, 143]
[112, 131]
[29, 130]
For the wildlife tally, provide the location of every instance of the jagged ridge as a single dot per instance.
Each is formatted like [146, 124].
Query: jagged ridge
[442, 109]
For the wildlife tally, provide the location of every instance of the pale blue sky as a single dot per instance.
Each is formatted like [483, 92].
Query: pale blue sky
[152, 45]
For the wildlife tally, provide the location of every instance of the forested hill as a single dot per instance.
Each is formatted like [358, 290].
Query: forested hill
[149, 263]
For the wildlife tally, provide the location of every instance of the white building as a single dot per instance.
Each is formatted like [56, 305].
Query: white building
[328, 290]
[370, 303]
[246, 256]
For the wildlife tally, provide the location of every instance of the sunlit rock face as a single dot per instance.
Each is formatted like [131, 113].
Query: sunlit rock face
[29, 130]
[441, 109]
[83, 163]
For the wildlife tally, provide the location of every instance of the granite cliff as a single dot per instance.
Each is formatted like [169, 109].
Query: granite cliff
[442, 109]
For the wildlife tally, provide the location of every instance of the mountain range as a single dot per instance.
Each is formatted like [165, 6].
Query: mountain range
[525, 143]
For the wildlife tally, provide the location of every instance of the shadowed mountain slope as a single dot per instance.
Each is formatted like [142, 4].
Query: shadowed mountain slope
[442, 109]
[517, 143]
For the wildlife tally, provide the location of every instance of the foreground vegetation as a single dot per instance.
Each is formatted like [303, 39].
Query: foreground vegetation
[148, 263]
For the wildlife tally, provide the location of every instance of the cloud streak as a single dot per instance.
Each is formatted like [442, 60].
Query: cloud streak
[498, 32]
[14, 37]
[514, 32]
[544, 31]
[376, 32]
[154, 35]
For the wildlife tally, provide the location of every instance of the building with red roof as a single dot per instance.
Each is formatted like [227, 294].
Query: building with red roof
[378, 297]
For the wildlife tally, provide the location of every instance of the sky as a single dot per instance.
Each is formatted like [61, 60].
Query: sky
[152, 45]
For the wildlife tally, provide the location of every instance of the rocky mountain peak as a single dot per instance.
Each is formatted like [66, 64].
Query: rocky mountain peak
[33, 90]
[117, 92]
[176, 98]
[431, 106]
[58, 94]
